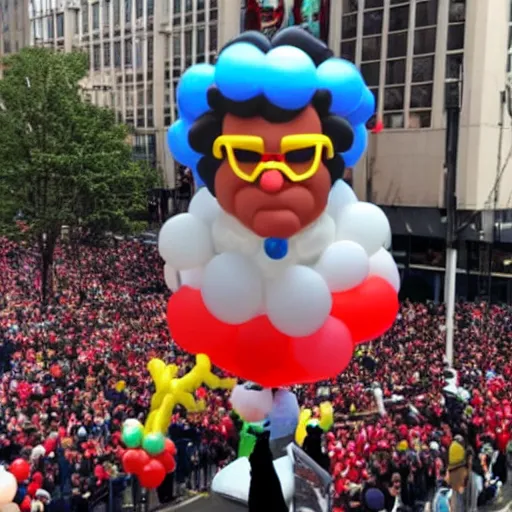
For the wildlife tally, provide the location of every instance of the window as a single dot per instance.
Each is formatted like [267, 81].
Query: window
[423, 69]
[128, 48]
[106, 14]
[85, 16]
[349, 26]
[200, 41]
[150, 50]
[51, 33]
[151, 7]
[117, 12]
[395, 71]
[128, 11]
[117, 54]
[455, 50]
[96, 57]
[424, 41]
[139, 9]
[176, 45]
[371, 48]
[394, 98]
[138, 53]
[371, 73]
[106, 55]
[351, 6]
[456, 36]
[60, 25]
[372, 22]
[421, 96]
[96, 16]
[369, 4]
[426, 13]
[397, 44]
[188, 43]
[77, 22]
[177, 6]
[399, 18]
[213, 38]
[348, 50]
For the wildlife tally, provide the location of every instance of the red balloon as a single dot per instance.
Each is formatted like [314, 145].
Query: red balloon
[37, 477]
[134, 461]
[152, 474]
[167, 461]
[368, 310]
[195, 329]
[32, 488]
[26, 504]
[170, 447]
[20, 468]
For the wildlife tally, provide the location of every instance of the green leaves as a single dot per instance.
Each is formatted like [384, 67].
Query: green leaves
[63, 161]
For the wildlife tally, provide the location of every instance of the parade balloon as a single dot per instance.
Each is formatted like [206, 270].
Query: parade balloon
[279, 271]
[20, 468]
[152, 474]
[8, 486]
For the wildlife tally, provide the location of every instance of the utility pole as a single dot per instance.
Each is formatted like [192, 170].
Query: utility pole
[453, 98]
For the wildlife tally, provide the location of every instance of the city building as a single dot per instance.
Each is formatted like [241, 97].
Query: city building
[417, 56]
[138, 49]
[15, 26]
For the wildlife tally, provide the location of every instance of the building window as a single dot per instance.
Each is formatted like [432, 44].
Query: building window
[213, 37]
[455, 48]
[188, 43]
[96, 16]
[349, 30]
[349, 6]
[106, 14]
[127, 11]
[85, 16]
[51, 33]
[96, 57]
[128, 46]
[117, 12]
[200, 41]
[60, 25]
[106, 55]
[138, 53]
[151, 7]
[139, 9]
[150, 50]
[177, 6]
[117, 54]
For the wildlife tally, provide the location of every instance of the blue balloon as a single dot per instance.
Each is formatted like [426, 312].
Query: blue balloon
[237, 71]
[365, 110]
[374, 499]
[352, 156]
[284, 416]
[290, 77]
[192, 91]
[276, 248]
[345, 82]
[177, 139]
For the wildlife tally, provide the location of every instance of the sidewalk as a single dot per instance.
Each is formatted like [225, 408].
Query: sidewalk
[504, 503]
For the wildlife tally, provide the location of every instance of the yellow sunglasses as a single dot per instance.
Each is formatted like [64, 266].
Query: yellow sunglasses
[249, 149]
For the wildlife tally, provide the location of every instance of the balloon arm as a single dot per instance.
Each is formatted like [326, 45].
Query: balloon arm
[172, 391]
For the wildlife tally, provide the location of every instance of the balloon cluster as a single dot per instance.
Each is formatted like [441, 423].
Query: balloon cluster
[149, 457]
[336, 287]
[286, 76]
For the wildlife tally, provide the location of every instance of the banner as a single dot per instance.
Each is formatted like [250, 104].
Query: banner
[313, 485]
[268, 16]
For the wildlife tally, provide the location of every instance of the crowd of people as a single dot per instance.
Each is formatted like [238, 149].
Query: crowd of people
[62, 404]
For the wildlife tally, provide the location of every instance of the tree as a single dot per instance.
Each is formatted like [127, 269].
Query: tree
[63, 161]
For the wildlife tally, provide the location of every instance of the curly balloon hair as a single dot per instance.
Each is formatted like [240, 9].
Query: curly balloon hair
[250, 79]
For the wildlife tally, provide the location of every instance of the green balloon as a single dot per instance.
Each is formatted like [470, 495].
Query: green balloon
[132, 436]
[154, 444]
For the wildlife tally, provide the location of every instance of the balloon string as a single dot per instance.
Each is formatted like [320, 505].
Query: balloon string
[172, 391]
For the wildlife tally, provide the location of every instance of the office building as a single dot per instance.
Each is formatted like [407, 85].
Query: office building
[417, 56]
[15, 26]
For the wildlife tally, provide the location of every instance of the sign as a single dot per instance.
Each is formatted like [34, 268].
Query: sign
[268, 16]
[313, 485]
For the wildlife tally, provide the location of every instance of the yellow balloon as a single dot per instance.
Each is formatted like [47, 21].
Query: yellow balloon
[171, 391]
[300, 432]
[326, 416]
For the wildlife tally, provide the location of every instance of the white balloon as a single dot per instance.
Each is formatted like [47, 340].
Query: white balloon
[252, 405]
[383, 265]
[9, 507]
[365, 224]
[132, 422]
[192, 277]
[204, 206]
[185, 242]
[298, 301]
[8, 486]
[229, 235]
[340, 196]
[171, 278]
[310, 243]
[343, 265]
[232, 288]
[272, 268]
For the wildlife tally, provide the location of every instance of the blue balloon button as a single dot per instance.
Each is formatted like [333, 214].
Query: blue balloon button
[276, 248]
